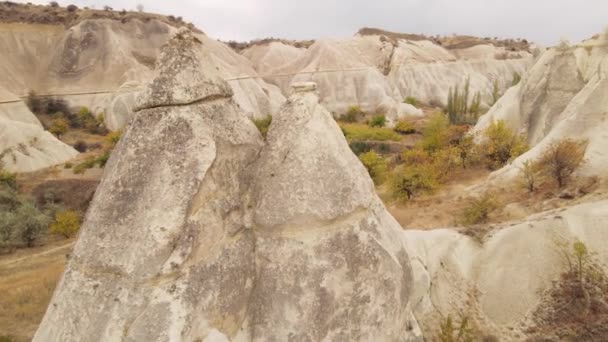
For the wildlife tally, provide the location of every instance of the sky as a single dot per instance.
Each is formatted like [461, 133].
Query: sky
[541, 21]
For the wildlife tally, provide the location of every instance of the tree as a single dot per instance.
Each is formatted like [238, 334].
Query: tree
[433, 134]
[376, 165]
[140, 8]
[562, 159]
[445, 161]
[501, 145]
[30, 223]
[7, 228]
[413, 180]
[59, 127]
[67, 223]
[530, 175]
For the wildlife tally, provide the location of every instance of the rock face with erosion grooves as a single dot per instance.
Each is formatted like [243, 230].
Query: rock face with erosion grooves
[24, 144]
[563, 96]
[201, 232]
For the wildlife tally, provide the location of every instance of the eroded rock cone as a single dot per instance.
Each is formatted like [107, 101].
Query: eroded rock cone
[163, 255]
[197, 233]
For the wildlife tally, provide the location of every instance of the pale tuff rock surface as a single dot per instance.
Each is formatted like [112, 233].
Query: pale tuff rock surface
[563, 96]
[24, 144]
[100, 63]
[378, 74]
[501, 282]
[182, 242]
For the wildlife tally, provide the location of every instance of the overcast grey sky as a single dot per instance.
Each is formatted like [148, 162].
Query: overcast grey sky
[543, 21]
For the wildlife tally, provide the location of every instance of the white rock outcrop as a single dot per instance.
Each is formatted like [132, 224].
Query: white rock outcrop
[200, 232]
[562, 96]
[24, 144]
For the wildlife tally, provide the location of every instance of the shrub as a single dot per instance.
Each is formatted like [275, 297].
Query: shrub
[66, 223]
[530, 175]
[102, 159]
[450, 331]
[359, 147]
[263, 125]
[445, 161]
[85, 119]
[495, 92]
[72, 8]
[30, 223]
[562, 159]
[404, 127]
[411, 101]
[58, 127]
[353, 114]
[378, 121]
[54, 4]
[68, 165]
[375, 164]
[433, 134]
[113, 138]
[415, 156]
[8, 179]
[479, 209]
[410, 181]
[467, 151]
[501, 145]
[360, 132]
[80, 146]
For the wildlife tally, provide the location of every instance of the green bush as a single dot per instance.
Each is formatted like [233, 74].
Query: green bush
[410, 181]
[404, 127]
[353, 114]
[375, 164]
[415, 156]
[530, 175]
[263, 125]
[562, 159]
[112, 138]
[445, 161]
[21, 222]
[59, 127]
[360, 132]
[85, 119]
[501, 145]
[8, 179]
[434, 133]
[66, 223]
[479, 209]
[378, 121]
[411, 101]
[359, 147]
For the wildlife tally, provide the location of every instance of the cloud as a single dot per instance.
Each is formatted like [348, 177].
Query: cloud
[544, 21]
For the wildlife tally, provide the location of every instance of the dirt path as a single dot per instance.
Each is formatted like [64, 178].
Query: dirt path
[9, 262]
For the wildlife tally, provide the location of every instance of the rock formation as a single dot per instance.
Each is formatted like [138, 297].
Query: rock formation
[563, 96]
[378, 73]
[100, 63]
[201, 232]
[24, 144]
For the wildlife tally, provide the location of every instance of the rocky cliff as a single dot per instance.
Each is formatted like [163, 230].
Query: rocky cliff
[200, 231]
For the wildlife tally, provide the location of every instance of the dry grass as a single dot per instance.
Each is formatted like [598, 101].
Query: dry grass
[27, 281]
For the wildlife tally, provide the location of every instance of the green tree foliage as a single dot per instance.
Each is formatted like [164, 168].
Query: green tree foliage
[479, 209]
[404, 127]
[410, 181]
[66, 223]
[445, 161]
[433, 134]
[361, 132]
[59, 127]
[375, 164]
[353, 114]
[562, 159]
[263, 125]
[461, 108]
[21, 222]
[530, 175]
[378, 121]
[411, 101]
[501, 145]
[113, 138]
